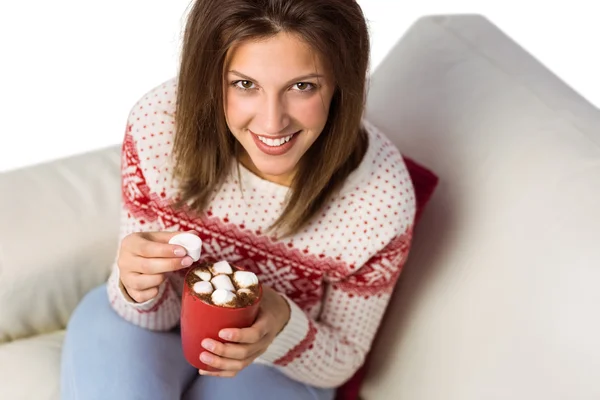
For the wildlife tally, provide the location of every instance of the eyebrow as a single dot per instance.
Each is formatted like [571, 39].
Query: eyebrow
[297, 79]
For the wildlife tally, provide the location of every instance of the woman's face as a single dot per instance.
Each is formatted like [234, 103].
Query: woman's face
[277, 99]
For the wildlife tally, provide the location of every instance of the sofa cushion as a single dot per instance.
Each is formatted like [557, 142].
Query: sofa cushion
[30, 368]
[499, 299]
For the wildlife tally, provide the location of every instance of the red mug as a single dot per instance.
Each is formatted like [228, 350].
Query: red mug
[201, 320]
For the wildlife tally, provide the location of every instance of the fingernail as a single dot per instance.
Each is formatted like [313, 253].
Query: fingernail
[205, 357]
[186, 262]
[208, 345]
[225, 335]
[179, 252]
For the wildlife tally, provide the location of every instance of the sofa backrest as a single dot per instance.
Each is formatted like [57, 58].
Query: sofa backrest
[500, 296]
[59, 224]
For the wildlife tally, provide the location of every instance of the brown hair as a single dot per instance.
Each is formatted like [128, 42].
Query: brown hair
[205, 149]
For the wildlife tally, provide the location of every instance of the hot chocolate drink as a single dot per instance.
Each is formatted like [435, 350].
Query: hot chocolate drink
[222, 284]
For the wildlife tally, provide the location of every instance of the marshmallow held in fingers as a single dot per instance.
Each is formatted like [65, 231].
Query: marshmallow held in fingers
[203, 274]
[203, 287]
[245, 279]
[221, 267]
[222, 297]
[223, 282]
[190, 242]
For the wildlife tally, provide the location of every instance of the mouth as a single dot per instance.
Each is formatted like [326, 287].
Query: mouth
[274, 146]
[274, 142]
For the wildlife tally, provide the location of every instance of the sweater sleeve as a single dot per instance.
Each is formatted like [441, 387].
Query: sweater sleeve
[328, 351]
[139, 213]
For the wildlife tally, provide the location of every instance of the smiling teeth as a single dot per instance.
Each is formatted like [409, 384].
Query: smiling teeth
[275, 142]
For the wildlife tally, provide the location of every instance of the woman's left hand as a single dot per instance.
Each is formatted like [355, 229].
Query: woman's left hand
[248, 343]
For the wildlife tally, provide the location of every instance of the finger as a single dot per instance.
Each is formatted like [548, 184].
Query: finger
[154, 245]
[233, 350]
[153, 266]
[141, 296]
[222, 374]
[221, 363]
[249, 335]
[141, 282]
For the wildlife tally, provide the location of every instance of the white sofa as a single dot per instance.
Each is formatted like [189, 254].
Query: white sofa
[501, 296]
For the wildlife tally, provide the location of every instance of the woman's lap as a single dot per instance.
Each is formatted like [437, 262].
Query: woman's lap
[257, 382]
[106, 357]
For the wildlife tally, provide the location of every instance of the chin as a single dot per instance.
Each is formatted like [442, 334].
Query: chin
[274, 169]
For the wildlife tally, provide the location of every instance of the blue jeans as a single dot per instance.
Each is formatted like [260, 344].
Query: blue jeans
[106, 357]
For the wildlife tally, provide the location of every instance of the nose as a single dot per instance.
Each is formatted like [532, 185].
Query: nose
[276, 117]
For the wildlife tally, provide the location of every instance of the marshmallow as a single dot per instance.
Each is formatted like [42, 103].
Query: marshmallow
[222, 297]
[221, 267]
[223, 282]
[191, 243]
[245, 279]
[203, 274]
[245, 291]
[203, 287]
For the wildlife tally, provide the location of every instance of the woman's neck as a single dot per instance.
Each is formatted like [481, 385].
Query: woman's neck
[283, 180]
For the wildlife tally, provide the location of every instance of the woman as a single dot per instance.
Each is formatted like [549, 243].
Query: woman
[259, 147]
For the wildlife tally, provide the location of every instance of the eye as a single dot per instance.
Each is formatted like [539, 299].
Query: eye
[304, 86]
[244, 85]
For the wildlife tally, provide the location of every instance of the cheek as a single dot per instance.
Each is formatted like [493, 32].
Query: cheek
[312, 112]
[238, 109]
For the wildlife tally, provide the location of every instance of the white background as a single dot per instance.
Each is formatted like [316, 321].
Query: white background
[72, 69]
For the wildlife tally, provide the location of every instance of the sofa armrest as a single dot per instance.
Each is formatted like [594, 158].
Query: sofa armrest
[58, 238]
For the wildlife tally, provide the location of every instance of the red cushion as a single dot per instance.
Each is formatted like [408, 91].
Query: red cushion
[424, 182]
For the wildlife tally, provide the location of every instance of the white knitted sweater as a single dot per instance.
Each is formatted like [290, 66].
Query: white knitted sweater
[337, 274]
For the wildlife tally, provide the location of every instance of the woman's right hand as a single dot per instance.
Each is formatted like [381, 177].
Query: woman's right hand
[144, 258]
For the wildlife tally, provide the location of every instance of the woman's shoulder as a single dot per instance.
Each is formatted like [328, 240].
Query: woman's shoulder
[149, 135]
[374, 209]
[154, 110]
[382, 172]
[379, 195]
